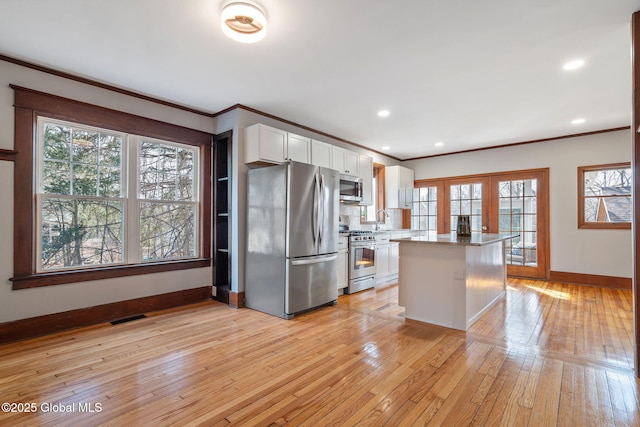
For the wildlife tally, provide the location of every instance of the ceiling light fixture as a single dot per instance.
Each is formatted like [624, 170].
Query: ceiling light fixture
[439, 144]
[386, 147]
[383, 113]
[243, 22]
[578, 121]
[573, 65]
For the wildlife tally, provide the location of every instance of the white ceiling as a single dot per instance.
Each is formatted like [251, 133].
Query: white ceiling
[468, 73]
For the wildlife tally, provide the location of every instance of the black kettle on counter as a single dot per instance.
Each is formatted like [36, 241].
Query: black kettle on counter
[463, 229]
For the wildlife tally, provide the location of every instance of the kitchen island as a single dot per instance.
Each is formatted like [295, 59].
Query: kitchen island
[451, 281]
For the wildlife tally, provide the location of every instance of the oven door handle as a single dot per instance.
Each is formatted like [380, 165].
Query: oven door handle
[372, 247]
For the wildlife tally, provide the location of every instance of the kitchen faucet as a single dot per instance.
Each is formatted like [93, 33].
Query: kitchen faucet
[386, 215]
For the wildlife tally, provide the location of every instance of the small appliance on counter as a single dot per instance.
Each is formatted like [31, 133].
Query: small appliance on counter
[463, 228]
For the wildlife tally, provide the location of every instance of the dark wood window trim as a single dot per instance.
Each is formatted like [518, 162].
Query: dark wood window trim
[582, 224]
[7, 155]
[29, 104]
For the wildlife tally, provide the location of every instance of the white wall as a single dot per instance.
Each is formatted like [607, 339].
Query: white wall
[600, 252]
[27, 303]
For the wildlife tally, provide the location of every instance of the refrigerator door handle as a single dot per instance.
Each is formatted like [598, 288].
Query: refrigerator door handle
[314, 214]
[315, 260]
[323, 207]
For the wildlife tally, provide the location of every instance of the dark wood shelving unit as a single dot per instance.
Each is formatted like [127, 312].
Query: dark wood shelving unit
[222, 217]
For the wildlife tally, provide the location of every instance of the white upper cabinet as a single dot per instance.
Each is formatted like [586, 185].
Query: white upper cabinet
[351, 162]
[398, 189]
[298, 148]
[320, 153]
[344, 161]
[266, 144]
[365, 168]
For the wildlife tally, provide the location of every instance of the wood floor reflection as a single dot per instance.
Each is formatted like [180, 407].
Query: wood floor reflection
[548, 354]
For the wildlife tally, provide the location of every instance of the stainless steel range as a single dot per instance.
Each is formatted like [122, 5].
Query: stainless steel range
[362, 256]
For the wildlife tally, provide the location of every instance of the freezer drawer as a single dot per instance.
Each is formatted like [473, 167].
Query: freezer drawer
[311, 282]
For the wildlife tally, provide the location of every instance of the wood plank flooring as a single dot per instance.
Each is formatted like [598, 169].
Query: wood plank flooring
[548, 354]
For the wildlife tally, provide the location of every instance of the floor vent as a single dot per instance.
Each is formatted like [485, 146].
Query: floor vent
[128, 319]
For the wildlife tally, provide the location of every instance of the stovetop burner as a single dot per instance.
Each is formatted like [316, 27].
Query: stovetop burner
[356, 232]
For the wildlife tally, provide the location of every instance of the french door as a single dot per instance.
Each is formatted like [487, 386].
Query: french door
[519, 206]
[510, 203]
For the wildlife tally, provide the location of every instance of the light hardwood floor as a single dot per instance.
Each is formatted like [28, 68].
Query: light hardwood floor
[548, 354]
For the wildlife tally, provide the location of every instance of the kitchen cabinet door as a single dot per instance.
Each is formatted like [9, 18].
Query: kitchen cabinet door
[382, 260]
[394, 258]
[298, 148]
[365, 168]
[264, 144]
[343, 262]
[351, 162]
[337, 159]
[344, 161]
[343, 269]
[320, 154]
[398, 187]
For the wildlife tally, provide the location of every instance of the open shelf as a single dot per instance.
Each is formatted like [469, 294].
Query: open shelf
[222, 220]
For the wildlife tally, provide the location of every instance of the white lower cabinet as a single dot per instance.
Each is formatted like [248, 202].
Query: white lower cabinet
[382, 260]
[394, 258]
[388, 255]
[383, 248]
[343, 262]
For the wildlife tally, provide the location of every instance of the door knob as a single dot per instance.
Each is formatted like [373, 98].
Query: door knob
[484, 228]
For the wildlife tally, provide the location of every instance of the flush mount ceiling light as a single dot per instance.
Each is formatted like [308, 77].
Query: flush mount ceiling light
[439, 144]
[383, 113]
[386, 148]
[243, 22]
[573, 65]
[578, 121]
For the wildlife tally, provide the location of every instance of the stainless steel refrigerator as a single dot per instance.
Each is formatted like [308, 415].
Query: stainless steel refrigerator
[292, 238]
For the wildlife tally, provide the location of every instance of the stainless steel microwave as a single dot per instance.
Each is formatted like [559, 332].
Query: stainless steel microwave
[350, 189]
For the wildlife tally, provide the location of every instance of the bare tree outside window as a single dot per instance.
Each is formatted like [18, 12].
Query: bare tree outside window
[83, 198]
[168, 213]
[81, 213]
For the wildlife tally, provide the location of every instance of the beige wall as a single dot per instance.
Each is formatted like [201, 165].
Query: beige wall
[600, 252]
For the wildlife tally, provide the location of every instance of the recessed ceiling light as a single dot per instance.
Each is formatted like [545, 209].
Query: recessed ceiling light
[383, 113]
[573, 65]
[578, 121]
[439, 144]
[386, 147]
[243, 22]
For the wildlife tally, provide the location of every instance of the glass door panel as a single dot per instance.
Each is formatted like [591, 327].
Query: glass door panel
[466, 199]
[517, 200]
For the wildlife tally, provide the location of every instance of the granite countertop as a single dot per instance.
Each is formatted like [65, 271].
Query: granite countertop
[476, 239]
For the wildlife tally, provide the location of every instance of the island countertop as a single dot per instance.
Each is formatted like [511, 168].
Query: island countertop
[476, 239]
